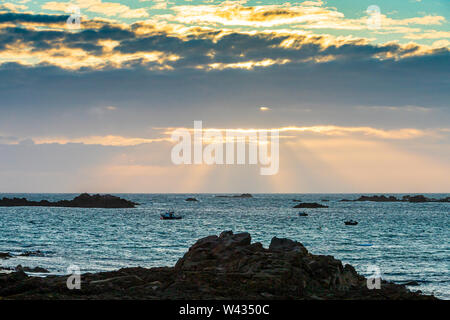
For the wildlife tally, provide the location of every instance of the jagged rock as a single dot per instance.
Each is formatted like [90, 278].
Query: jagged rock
[227, 266]
[418, 198]
[381, 198]
[32, 270]
[283, 244]
[84, 200]
[407, 198]
[310, 205]
[244, 195]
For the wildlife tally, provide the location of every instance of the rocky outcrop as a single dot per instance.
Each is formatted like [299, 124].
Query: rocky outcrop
[407, 198]
[31, 270]
[244, 195]
[82, 201]
[311, 205]
[228, 266]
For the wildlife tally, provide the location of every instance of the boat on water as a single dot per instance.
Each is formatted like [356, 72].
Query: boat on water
[351, 223]
[302, 214]
[170, 215]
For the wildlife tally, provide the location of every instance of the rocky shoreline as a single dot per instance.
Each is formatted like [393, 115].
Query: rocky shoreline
[227, 266]
[84, 200]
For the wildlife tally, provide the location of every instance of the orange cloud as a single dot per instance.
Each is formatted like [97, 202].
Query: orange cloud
[109, 140]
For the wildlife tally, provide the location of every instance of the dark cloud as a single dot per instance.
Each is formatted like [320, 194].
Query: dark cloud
[197, 50]
[13, 17]
[46, 99]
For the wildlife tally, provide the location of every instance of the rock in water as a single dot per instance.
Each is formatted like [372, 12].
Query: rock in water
[407, 198]
[244, 195]
[84, 200]
[312, 205]
[5, 255]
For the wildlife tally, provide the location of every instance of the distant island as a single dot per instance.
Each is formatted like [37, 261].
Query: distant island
[84, 200]
[244, 195]
[407, 198]
[228, 266]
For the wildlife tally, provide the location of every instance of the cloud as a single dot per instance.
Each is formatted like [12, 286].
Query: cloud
[230, 13]
[14, 17]
[229, 97]
[109, 140]
[103, 45]
[432, 34]
[307, 15]
[8, 6]
[160, 4]
[323, 131]
[143, 68]
[97, 6]
[331, 130]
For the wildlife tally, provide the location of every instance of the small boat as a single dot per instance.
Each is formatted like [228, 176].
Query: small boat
[170, 216]
[302, 214]
[351, 223]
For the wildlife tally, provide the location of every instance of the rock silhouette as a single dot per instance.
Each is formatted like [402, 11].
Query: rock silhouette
[407, 198]
[244, 195]
[228, 266]
[84, 200]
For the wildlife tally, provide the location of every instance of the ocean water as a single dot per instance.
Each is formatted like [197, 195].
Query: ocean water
[408, 241]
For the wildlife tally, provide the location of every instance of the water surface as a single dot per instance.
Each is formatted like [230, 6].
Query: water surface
[407, 241]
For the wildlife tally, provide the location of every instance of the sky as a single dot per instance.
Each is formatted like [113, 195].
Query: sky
[360, 91]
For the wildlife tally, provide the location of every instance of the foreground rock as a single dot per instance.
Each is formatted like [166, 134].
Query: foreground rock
[311, 205]
[82, 201]
[31, 270]
[228, 266]
[408, 198]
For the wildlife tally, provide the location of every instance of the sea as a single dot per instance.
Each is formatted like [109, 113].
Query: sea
[401, 241]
